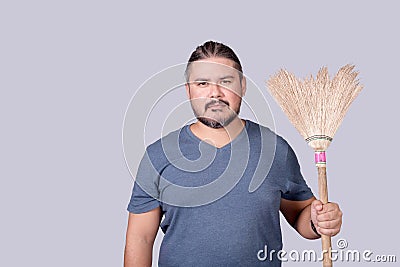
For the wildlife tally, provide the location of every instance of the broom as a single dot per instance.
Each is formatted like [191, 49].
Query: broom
[316, 107]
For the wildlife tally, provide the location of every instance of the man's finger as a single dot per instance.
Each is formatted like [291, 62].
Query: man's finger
[333, 224]
[329, 207]
[329, 216]
[317, 205]
[328, 232]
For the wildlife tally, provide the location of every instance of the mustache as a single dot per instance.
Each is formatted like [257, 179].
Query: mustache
[216, 102]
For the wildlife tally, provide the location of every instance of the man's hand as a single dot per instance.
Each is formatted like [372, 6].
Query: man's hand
[327, 218]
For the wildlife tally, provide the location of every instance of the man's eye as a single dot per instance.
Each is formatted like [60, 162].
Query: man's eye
[202, 84]
[226, 81]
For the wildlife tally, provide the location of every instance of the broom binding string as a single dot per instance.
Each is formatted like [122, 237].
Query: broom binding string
[319, 137]
[319, 153]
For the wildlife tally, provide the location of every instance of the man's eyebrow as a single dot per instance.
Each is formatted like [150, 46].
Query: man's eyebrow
[201, 80]
[227, 77]
[207, 80]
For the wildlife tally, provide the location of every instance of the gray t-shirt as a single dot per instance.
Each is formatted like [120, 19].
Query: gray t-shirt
[212, 214]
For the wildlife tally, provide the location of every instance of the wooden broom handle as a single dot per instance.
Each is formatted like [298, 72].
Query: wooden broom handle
[323, 195]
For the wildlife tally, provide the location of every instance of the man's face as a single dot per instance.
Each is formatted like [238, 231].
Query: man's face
[215, 90]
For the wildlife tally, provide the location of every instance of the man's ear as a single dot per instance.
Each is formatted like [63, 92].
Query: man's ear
[244, 86]
[187, 86]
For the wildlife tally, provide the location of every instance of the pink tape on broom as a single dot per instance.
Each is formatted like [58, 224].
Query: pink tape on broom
[320, 157]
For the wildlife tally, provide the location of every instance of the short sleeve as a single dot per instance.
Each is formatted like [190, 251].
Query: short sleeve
[145, 189]
[296, 187]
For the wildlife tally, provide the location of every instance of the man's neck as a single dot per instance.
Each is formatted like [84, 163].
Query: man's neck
[218, 137]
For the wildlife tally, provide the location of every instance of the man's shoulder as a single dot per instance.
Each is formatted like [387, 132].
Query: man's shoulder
[267, 134]
[170, 143]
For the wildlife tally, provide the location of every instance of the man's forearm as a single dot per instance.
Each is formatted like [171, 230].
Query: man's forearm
[303, 224]
[140, 236]
[138, 253]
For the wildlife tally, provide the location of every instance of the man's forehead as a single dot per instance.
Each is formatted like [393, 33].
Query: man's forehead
[212, 70]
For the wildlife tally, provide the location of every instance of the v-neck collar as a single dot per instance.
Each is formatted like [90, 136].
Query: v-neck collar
[240, 136]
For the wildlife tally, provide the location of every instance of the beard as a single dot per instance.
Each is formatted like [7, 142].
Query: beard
[218, 117]
[215, 124]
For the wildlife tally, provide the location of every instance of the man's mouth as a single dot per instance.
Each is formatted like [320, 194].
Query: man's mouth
[217, 104]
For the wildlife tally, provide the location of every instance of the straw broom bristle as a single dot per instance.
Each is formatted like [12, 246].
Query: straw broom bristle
[316, 107]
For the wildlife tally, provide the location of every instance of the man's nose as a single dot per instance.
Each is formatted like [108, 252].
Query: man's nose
[215, 90]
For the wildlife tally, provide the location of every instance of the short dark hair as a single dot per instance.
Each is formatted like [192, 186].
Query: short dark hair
[213, 49]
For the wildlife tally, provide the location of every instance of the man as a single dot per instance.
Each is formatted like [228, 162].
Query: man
[198, 178]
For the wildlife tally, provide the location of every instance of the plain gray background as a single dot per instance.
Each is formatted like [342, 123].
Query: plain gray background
[69, 68]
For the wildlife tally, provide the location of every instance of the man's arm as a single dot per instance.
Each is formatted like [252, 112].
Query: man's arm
[326, 218]
[140, 236]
